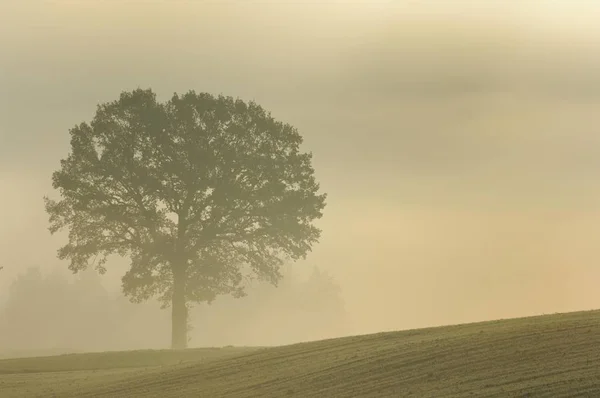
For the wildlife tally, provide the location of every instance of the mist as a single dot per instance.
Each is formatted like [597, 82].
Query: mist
[52, 313]
[457, 144]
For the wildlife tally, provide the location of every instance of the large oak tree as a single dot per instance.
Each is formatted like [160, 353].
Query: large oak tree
[195, 191]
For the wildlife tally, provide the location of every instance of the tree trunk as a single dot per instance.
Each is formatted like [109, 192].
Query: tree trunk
[179, 311]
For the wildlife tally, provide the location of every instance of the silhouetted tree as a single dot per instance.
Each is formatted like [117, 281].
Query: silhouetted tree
[192, 191]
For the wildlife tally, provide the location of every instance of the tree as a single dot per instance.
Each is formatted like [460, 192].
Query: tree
[195, 191]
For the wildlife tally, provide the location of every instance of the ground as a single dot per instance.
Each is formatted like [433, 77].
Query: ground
[545, 356]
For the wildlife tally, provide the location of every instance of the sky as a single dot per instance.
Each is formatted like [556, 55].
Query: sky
[458, 141]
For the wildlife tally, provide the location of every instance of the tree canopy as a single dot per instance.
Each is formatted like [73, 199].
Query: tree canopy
[194, 191]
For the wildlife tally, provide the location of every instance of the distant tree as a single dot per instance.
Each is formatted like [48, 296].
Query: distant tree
[33, 300]
[49, 311]
[322, 293]
[193, 191]
[322, 304]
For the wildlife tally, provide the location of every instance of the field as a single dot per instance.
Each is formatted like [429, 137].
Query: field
[544, 356]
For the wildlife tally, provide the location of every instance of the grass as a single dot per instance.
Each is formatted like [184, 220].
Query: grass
[545, 356]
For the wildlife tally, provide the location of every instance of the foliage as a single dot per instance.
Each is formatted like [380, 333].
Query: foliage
[193, 191]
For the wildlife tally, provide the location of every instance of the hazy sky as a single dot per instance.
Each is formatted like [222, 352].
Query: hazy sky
[458, 141]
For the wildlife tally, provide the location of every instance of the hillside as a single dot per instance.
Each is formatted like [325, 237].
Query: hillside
[545, 356]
